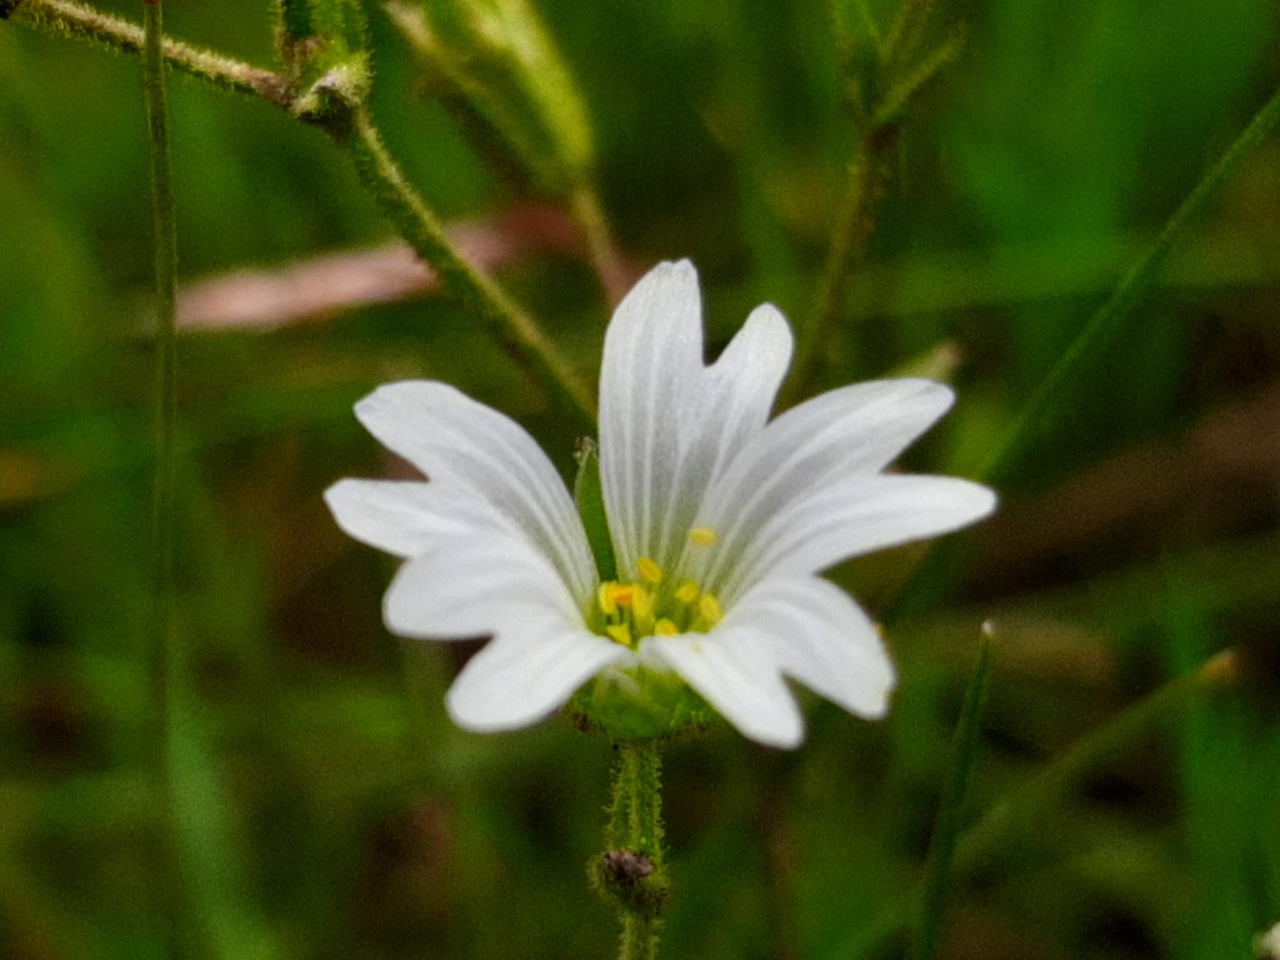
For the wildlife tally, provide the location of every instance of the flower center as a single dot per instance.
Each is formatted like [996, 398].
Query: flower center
[627, 611]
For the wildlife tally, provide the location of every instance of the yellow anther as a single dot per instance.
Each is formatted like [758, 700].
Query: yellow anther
[642, 604]
[709, 607]
[623, 594]
[702, 536]
[627, 611]
[650, 572]
[604, 597]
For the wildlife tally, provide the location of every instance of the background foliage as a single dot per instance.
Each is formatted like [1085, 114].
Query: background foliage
[326, 807]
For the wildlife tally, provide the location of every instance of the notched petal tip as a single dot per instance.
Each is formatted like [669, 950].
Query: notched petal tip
[666, 301]
[401, 517]
[760, 351]
[668, 279]
[389, 397]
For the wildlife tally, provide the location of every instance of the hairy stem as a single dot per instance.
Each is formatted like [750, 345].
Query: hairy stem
[513, 329]
[631, 873]
[879, 103]
[76, 21]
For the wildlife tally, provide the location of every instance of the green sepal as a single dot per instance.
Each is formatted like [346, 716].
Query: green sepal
[639, 704]
[589, 496]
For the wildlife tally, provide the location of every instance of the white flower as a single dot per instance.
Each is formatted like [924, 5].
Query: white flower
[721, 521]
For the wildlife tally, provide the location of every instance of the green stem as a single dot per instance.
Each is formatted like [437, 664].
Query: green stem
[166, 340]
[879, 108]
[163, 652]
[640, 938]
[516, 331]
[584, 204]
[631, 873]
[849, 246]
[904, 34]
[76, 21]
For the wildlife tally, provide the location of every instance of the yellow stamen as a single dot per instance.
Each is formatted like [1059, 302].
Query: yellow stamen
[709, 607]
[702, 536]
[649, 571]
[642, 604]
[604, 597]
[687, 592]
[623, 594]
[627, 611]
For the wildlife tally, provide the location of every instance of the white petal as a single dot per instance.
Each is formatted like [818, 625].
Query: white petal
[450, 437]
[407, 518]
[732, 400]
[520, 677]
[859, 428]
[824, 640]
[853, 518]
[668, 423]
[735, 670]
[476, 587]
[652, 353]
[856, 430]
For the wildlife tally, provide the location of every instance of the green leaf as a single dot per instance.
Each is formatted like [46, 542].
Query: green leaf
[947, 828]
[1059, 390]
[589, 496]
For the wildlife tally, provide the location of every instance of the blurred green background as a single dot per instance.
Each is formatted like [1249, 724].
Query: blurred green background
[325, 807]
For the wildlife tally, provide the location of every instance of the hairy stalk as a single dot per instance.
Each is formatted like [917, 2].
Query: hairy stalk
[516, 331]
[162, 495]
[631, 874]
[639, 939]
[879, 102]
[65, 18]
